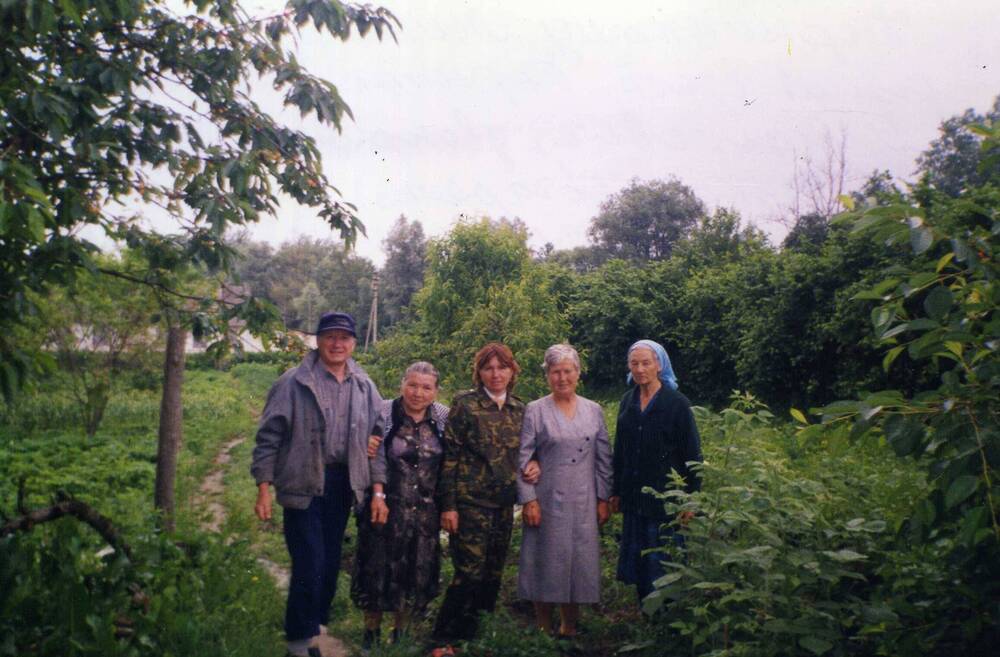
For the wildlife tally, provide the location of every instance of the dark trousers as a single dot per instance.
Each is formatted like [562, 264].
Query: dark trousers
[478, 553]
[314, 537]
[641, 555]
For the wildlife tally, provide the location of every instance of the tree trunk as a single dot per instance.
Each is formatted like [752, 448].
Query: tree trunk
[171, 424]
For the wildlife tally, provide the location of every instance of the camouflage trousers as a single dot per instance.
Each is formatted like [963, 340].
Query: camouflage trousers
[478, 552]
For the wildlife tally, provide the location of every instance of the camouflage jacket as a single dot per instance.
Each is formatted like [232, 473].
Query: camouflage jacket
[481, 452]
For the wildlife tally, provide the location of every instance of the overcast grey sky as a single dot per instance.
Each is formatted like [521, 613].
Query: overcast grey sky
[541, 110]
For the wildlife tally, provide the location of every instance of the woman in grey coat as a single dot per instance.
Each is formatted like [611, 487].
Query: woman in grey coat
[560, 549]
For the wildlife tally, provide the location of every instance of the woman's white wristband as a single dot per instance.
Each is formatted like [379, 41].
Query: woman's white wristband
[380, 495]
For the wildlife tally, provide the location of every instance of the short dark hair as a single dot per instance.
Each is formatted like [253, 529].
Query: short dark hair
[503, 354]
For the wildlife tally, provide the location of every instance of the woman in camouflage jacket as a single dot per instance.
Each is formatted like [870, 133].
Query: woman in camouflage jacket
[477, 488]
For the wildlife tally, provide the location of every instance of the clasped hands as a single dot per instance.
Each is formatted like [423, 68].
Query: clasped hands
[449, 519]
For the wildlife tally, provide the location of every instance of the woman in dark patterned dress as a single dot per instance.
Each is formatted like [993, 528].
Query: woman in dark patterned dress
[399, 555]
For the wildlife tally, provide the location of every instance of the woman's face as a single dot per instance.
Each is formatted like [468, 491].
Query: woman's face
[563, 377]
[419, 391]
[495, 376]
[643, 365]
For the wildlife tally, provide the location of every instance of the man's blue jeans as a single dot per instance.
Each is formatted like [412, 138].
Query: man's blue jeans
[314, 537]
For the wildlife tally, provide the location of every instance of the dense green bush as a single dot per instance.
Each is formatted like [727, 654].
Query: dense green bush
[481, 286]
[786, 550]
[182, 595]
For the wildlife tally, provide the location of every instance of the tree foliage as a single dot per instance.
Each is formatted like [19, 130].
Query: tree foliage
[100, 327]
[403, 274]
[646, 219]
[952, 162]
[481, 285]
[306, 278]
[939, 311]
[109, 110]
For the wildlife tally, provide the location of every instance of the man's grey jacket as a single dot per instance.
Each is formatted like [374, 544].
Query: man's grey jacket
[290, 440]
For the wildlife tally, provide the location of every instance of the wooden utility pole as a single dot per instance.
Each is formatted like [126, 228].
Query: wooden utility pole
[372, 331]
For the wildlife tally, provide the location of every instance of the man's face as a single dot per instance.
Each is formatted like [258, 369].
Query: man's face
[335, 347]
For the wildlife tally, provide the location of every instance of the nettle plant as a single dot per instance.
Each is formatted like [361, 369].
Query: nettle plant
[940, 311]
[778, 556]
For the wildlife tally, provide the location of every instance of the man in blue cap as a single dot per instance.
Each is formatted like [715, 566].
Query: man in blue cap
[312, 447]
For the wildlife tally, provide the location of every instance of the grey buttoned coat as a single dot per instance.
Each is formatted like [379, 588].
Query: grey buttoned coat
[560, 560]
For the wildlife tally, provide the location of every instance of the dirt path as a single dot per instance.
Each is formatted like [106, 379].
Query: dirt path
[209, 498]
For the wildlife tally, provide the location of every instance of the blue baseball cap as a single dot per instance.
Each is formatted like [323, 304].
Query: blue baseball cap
[335, 322]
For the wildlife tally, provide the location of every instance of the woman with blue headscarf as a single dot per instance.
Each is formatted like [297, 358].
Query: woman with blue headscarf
[656, 435]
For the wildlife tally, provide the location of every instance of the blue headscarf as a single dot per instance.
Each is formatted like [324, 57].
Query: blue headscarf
[667, 375]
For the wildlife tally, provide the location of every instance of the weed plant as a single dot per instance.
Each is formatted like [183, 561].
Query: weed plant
[188, 593]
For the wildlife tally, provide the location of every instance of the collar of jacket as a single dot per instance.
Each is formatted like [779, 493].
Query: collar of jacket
[436, 415]
[486, 401]
[657, 402]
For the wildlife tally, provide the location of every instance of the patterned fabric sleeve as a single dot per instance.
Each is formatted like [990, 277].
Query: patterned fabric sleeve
[454, 435]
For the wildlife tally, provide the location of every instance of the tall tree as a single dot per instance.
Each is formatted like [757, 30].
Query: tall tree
[107, 108]
[580, 259]
[405, 257]
[646, 219]
[481, 285]
[951, 163]
[306, 277]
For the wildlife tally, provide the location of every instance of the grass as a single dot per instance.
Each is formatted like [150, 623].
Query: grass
[115, 469]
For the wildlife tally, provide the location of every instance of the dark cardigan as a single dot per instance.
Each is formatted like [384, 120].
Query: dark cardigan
[648, 446]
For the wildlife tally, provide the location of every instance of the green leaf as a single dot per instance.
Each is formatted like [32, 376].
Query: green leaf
[894, 331]
[921, 239]
[885, 398]
[885, 286]
[922, 279]
[881, 316]
[891, 356]
[798, 415]
[938, 302]
[844, 555]
[36, 225]
[975, 519]
[922, 324]
[904, 434]
[943, 262]
[961, 250]
[960, 490]
[815, 645]
[69, 8]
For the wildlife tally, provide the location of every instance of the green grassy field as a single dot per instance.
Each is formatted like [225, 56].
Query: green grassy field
[758, 570]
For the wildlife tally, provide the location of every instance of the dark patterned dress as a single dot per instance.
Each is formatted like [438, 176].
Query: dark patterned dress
[398, 564]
